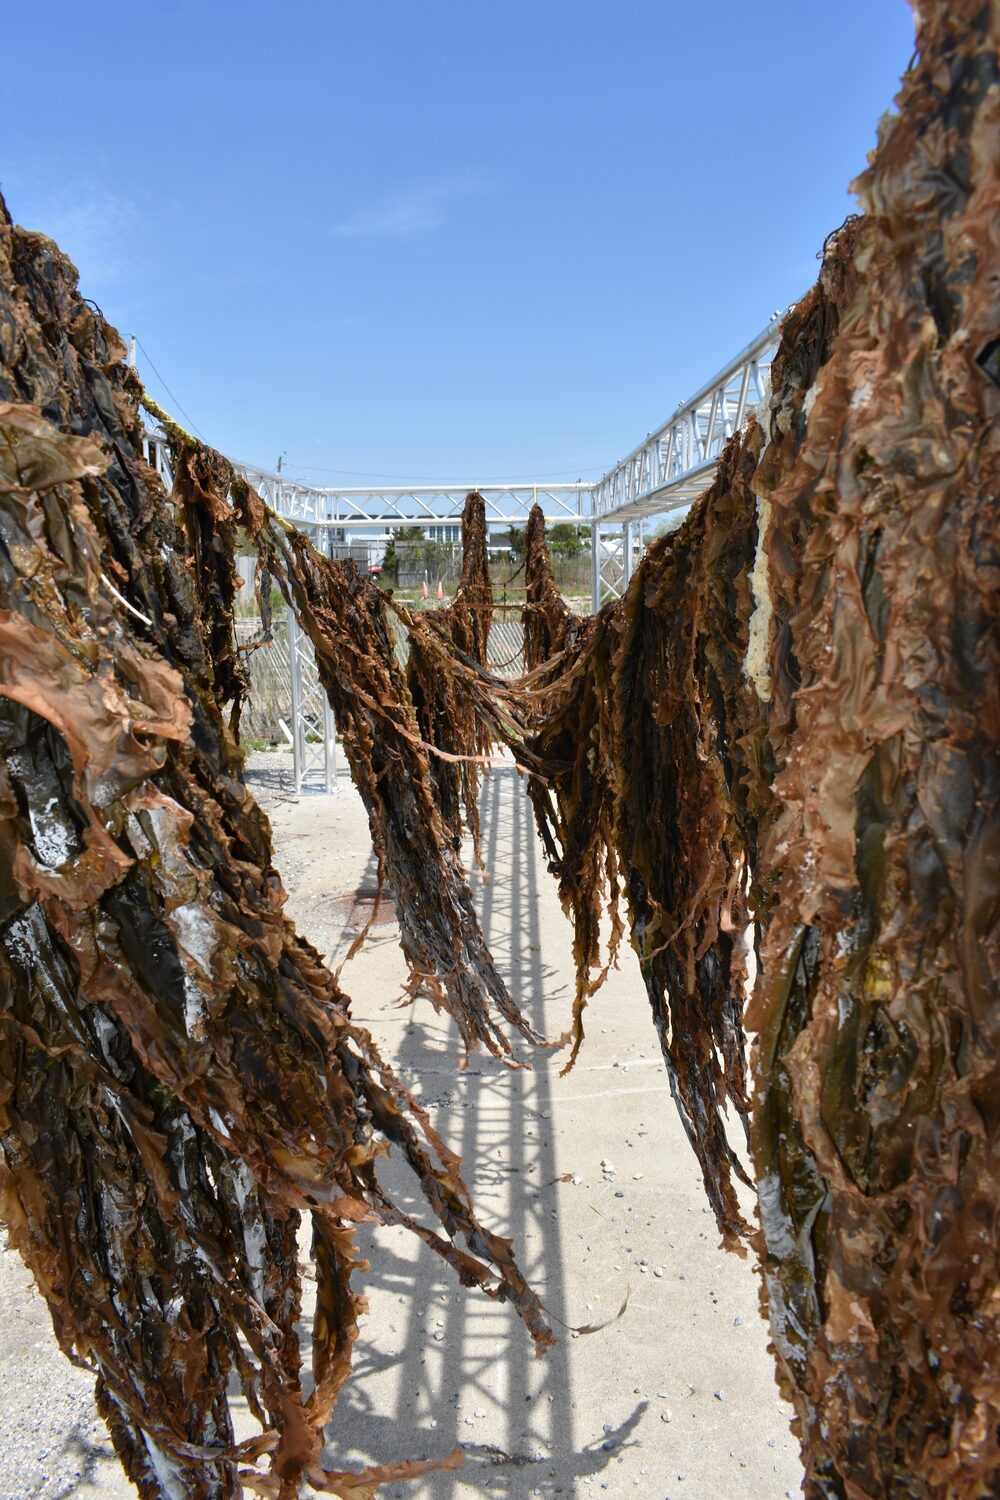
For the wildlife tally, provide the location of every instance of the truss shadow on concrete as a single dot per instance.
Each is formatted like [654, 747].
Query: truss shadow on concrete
[677, 1397]
[437, 1366]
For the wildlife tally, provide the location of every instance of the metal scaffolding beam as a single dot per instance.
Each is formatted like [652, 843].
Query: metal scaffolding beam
[669, 470]
[677, 463]
[314, 733]
[420, 505]
[320, 508]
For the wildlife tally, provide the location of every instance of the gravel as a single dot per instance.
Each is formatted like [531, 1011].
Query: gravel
[54, 1445]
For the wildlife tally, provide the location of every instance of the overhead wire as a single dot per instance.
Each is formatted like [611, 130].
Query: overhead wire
[367, 473]
[189, 419]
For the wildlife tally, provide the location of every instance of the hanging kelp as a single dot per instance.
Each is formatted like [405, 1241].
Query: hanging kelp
[676, 717]
[564, 693]
[449, 717]
[471, 610]
[413, 810]
[549, 624]
[877, 1128]
[180, 1075]
[640, 712]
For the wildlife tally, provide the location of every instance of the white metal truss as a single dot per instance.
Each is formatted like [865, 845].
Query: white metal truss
[614, 552]
[669, 470]
[313, 506]
[314, 733]
[376, 509]
[677, 463]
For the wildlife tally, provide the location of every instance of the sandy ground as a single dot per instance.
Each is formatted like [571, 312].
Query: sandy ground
[589, 1174]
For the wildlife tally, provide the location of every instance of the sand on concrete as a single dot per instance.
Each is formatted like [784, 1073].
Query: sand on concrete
[589, 1174]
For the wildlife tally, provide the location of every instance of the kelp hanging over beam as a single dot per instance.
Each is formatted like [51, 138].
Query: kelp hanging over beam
[793, 713]
[180, 1075]
[453, 721]
[644, 717]
[788, 725]
[412, 786]
[877, 1127]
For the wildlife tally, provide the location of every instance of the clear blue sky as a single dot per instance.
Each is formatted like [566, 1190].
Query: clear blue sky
[402, 242]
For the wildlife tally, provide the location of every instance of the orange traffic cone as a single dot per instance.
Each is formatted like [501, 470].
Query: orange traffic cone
[440, 590]
[425, 589]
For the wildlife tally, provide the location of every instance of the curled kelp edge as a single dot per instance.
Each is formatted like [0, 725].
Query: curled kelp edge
[161, 1020]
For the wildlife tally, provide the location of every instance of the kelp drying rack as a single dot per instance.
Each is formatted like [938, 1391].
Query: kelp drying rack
[664, 473]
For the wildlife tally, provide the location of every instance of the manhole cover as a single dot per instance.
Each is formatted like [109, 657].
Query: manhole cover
[363, 907]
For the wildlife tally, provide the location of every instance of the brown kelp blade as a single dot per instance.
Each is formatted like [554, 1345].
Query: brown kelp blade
[783, 735]
[411, 794]
[181, 1075]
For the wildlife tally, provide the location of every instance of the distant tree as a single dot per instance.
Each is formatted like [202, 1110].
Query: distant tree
[664, 525]
[565, 540]
[390, 558]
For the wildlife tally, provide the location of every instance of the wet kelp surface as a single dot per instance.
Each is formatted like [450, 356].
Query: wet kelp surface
[877, 1127]
[414, 738]
[783, 736]
[792, 715]
[181, 1079]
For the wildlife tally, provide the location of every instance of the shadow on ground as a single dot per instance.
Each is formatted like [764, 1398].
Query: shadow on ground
[437, 1367]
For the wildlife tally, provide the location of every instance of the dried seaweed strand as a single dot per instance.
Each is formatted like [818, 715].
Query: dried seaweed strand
[449, 717]
[180, 1075]
[409, 794]
[790, 719]
[634, 709]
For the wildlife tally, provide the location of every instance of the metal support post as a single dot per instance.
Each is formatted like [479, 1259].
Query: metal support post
[608, 576]
[314, 729]
[595, 565]
[329, 747]
[295, 675]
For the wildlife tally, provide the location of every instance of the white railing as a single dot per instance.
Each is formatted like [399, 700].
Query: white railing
[416, 505]
[677, 463]
[669, 470]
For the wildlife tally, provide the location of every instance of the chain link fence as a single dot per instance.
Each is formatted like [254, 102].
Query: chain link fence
[267, 712]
